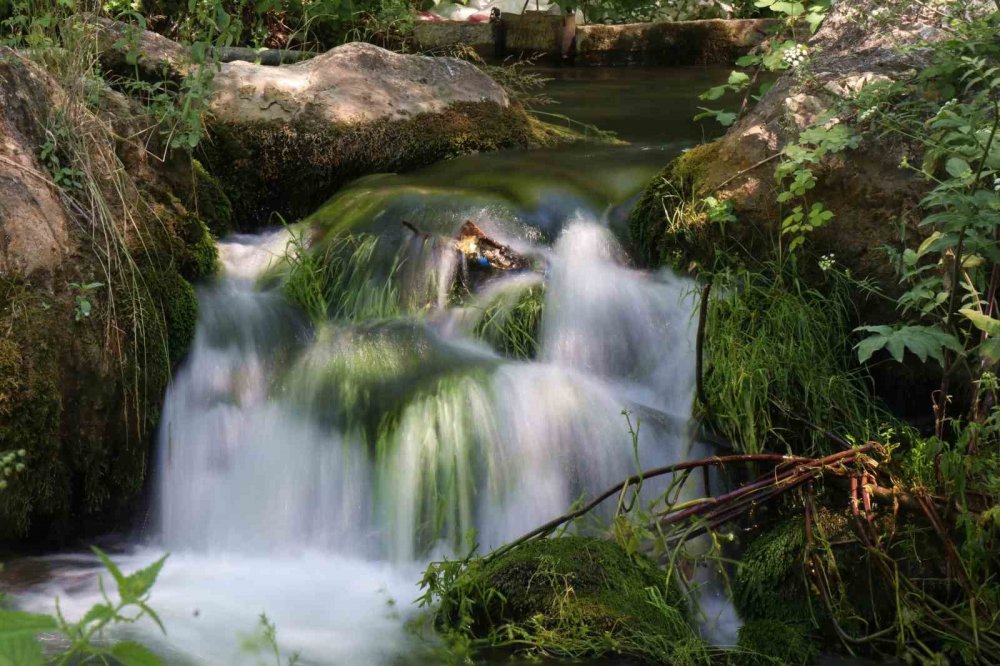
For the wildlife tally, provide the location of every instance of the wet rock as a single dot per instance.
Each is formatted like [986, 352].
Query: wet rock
[870, 196]
[34, 225]
[80, 390]
[482, 253]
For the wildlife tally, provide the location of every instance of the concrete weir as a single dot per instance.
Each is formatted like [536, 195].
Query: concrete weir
[559, 38]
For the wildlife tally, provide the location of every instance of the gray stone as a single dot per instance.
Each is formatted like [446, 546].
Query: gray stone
[350, 84]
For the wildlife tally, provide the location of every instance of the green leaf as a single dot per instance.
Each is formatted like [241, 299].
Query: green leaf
[923, 341]
[20, 650]
[868, 346]
[957, 167]
[984, 323]
[32, 623]
[134, 654]
[98, 613]
[138, 584]
[738, 79]
[713, 94]
[112, 568]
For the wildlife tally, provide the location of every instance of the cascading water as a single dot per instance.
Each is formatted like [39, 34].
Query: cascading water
[308, 472]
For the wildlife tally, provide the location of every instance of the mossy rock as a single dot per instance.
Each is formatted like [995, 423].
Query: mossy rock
[574, 596]
[210, 202]
[82, 395]
[291, 168]
[669, 224]
[774, 643]
[180, 310]
[81, 404]
[773, 585]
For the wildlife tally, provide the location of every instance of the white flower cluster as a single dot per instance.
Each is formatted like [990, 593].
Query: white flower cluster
[796, 55]
[948, 105]
[827, 261]
[879, 13]
[10, 462]
[867, 114]
[996, 184]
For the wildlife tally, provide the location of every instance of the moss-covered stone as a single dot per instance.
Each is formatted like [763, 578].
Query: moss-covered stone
[210, 202]
[81, 399]
[180, 311]
[291, 168]
[574, 595]
[773, 643]
[669, 224]
[81, 387]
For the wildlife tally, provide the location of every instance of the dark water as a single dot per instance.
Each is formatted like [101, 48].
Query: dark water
[641, 105]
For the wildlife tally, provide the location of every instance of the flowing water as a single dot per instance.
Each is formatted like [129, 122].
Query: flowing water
[310, 471]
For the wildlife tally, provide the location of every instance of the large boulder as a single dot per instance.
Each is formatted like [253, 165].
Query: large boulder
[869, 194]
[283, 138]
[35, 225]
[350, 84]
[95, 303]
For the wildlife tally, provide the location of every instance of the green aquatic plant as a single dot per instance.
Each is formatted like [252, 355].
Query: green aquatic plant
[342, 280]
[511, 325]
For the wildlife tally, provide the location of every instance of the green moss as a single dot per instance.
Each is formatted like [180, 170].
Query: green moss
[769, 583]
[773, 643]
[290, 169]
[198, 256]
[82, 404]
[30, 412]
[669, 221]
[210, 201]
[573, 596]
[180, 310]
[83, 397]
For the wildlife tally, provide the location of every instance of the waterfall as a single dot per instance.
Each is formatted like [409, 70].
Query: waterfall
[255, 458]
[310, 471]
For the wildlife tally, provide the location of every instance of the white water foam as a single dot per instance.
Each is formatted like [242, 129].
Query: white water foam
[267, 507]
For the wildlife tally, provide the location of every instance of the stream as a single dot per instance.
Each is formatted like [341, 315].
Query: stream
[311, 472]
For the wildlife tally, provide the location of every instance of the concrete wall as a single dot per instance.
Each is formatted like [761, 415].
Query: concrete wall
[667, 43]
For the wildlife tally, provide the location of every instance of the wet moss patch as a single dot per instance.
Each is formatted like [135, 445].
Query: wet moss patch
[773, 643]
[573, 596]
